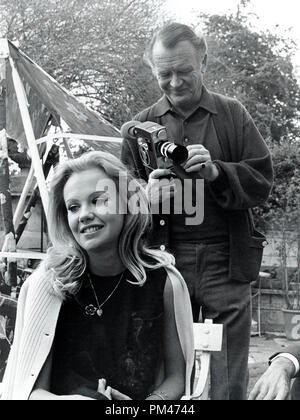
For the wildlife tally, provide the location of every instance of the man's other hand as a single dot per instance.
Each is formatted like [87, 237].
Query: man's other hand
[275, 383]
[161, 186]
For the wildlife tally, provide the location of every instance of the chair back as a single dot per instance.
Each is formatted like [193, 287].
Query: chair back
[207, 339]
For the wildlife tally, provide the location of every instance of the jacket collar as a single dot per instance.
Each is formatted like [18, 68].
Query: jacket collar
[207, 102]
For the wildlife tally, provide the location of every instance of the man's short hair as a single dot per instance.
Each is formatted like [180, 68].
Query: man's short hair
[173, 33]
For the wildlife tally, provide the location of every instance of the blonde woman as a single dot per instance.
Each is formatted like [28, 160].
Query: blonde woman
[103, 317]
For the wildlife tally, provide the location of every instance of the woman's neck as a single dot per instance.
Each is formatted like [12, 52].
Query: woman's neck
[105, 264]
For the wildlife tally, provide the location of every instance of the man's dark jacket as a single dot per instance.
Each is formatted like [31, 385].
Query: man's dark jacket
[245, 180]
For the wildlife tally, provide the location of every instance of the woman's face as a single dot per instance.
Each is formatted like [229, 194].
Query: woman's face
[92, 211]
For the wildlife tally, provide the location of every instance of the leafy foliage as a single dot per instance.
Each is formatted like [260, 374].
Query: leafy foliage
[282, 207]
[91, 47]
[256, 67]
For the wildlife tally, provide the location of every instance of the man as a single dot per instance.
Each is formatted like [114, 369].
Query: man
[221, 256]
[275, 383]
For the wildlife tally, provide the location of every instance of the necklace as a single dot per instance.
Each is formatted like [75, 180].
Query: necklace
[91, 309]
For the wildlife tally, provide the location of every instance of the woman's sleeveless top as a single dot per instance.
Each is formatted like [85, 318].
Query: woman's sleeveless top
[123, 346]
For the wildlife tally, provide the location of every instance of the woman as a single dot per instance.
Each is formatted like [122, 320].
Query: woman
[103, 316]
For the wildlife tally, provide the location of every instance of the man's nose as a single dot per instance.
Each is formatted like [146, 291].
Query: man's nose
[175, 80]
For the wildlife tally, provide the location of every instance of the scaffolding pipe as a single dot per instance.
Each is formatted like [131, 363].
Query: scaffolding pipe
[19, 212]
[30, 137]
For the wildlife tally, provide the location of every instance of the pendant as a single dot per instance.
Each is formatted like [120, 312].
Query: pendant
[90, 310]
[99, 312]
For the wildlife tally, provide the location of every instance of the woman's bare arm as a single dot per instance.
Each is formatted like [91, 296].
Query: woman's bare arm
[41, 390]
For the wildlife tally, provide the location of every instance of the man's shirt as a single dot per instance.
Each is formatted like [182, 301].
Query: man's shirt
[198, 128]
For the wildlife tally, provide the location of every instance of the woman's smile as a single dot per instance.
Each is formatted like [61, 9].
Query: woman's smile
[88, 230]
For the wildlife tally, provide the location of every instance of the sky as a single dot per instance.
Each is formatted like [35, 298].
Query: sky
[279, 16]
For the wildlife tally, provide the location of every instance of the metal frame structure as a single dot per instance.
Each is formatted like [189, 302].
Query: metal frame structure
[36, 174]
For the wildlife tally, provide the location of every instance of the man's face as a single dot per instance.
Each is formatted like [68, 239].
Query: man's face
[179, 72]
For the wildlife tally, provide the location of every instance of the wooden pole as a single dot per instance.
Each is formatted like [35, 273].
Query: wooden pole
[5, 194]
[30, 182]
[23, 255]
[19, 212]
[52, 159]
[30, 137]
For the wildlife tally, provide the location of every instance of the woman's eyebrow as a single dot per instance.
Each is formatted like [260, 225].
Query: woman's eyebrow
[99, 192]
[71, 200]
[92, 195]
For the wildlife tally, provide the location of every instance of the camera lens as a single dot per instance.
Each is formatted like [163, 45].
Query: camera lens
[176, 152]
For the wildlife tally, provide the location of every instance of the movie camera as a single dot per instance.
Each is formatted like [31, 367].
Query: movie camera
[156, 151]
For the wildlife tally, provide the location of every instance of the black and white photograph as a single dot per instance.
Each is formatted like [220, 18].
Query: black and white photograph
[149, 202]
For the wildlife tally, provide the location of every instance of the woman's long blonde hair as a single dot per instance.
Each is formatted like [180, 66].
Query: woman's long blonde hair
[66, 259]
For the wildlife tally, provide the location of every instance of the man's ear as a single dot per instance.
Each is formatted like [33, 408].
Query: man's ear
[204, 64]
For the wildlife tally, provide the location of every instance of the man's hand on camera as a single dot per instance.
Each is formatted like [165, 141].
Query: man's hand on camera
[199, 161]
[161, 186]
